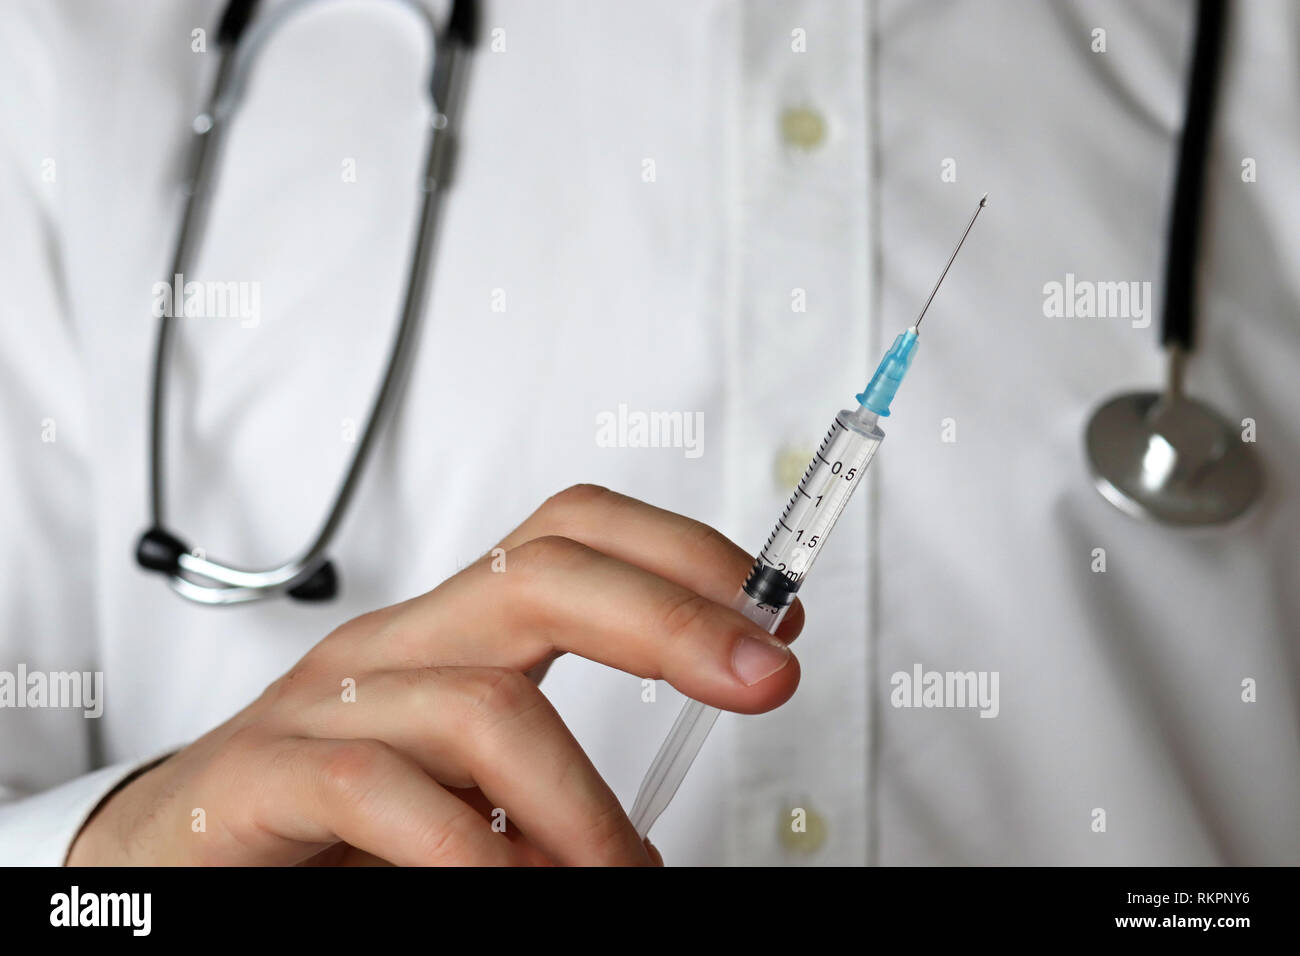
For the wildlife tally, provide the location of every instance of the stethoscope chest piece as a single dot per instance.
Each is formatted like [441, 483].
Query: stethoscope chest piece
[1162, 455]
[1170, 458]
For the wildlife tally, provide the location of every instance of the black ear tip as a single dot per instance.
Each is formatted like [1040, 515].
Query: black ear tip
[159, 550]
[463, 26]
[321, 586]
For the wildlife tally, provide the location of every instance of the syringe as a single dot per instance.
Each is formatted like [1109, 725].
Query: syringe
[832, 476]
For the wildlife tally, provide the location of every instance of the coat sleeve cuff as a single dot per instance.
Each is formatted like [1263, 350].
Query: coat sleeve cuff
[39, 830]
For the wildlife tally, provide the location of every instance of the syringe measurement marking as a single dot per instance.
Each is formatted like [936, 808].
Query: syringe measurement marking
[802, 556]
[820, 527]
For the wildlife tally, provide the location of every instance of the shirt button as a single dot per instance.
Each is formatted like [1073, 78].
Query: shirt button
[789, 467]
[803, 127]
[803, 829]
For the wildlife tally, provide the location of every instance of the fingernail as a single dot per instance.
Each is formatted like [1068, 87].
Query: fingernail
[754, 660]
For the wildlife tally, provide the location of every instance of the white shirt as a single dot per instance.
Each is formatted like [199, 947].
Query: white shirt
[629, 225]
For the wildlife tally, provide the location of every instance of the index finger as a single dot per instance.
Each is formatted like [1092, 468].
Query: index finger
[677, 548]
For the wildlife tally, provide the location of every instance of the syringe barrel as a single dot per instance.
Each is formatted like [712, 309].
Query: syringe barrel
[759, 611]
[836, 470]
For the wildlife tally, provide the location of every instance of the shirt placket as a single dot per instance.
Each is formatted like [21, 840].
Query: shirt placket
[798, 326]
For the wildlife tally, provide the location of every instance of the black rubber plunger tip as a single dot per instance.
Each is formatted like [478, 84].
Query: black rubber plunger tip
[159, 550]
[321, 586]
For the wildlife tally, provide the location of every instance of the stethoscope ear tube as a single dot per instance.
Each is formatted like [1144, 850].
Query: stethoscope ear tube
[234, 21]
[310, 577]
[1178, 327]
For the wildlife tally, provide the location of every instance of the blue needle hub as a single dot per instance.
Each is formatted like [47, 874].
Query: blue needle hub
[879, 393]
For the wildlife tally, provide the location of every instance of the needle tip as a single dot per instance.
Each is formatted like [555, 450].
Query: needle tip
[921, 315]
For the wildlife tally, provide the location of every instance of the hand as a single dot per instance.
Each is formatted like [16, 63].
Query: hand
[447, 725]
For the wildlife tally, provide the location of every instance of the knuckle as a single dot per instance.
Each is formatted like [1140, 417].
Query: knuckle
[497, 695]
[704, 538]
[549, 552]
[684, 614]
[530, 599]
[562, 505]
[449, 843]
[291, 683]
[347, 771]
[357, 629]
[364, 624]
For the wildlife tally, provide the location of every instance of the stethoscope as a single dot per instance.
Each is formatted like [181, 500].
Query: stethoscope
[1163, 455]
[311, 576]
